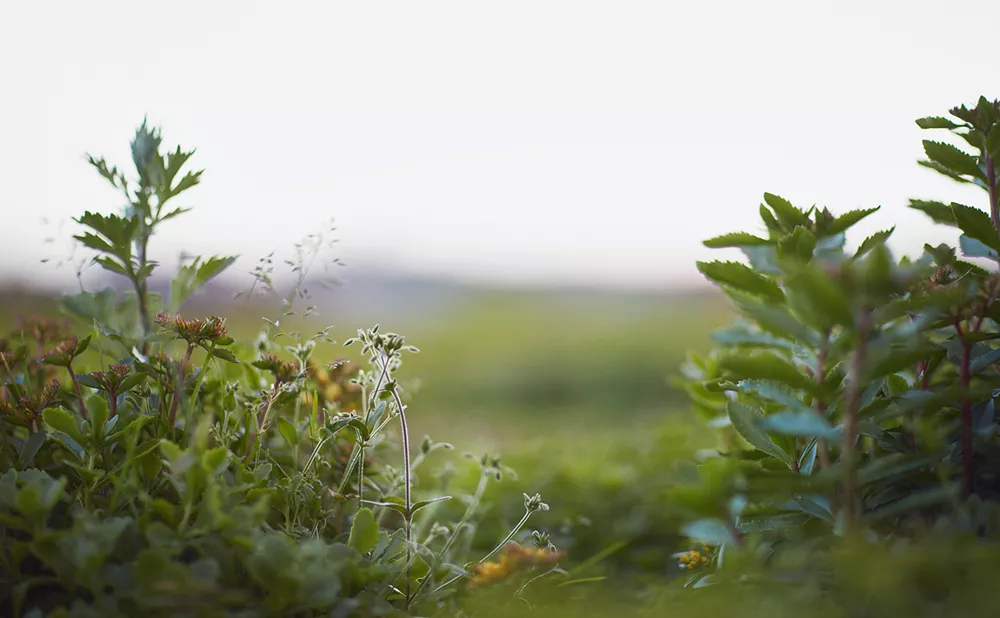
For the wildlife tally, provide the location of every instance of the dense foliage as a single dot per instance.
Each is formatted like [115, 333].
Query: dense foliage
[151, 465]
[855, 395]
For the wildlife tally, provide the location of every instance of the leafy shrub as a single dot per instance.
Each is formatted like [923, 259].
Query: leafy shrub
[151, 465]
[855, 396]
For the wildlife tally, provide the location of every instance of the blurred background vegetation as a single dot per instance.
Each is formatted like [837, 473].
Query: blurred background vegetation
[571, 386]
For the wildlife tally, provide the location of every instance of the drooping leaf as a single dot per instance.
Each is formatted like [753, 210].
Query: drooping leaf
[773, 391]
[976, 224]
[744, 420]
[766, 366]
[776, 320]
[953, 159]
[742, 278]
[972, 248]
[938, 211]
[799, 423]
[741, 336]
[984, 360]
[941, 169]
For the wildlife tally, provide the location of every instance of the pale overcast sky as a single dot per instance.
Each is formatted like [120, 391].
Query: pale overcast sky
[516, 141]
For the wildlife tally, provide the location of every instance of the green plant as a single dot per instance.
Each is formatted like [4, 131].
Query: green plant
[855, 394]
[184, 473]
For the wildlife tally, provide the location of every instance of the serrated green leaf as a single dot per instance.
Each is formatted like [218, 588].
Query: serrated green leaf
[976, 224]
[993, 144]
[110, 264]
[775, 320]
[770, 222]
[225, 355]
[938, 211]
[742, 278]
[953, 159]
[972, 248]
[789, 216]
[878, 238]
[798, 245]
[937, 167]
[736, 239]
[766, 366]
[773, 391]
[936, 122]
[849, 219]
[744, 420]
[817, 299]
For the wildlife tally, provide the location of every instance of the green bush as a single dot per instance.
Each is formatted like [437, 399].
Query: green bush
[151, 465]
[855, 401]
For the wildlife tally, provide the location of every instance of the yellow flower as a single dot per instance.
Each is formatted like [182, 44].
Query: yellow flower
[514, 558]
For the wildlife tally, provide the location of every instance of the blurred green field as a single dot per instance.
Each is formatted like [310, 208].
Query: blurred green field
[503, 367]
[573, 391]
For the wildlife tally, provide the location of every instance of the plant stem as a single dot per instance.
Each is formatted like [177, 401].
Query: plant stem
[469, 511]
[76, 388]
[991, 181]
[513, 531]
[172, 418]
[968, 465]
[849, 453]
[406, 484]
[824, 448]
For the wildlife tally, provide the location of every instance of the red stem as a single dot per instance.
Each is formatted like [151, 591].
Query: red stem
[991, 181]
[849, 453]
[968, 464]
[824, 448]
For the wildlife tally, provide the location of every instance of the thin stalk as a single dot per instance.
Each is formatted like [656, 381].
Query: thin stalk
[404, 428]
[823, 447]
[513, 531]
[113, 403]
[469, 511]
[76, 389]
[849, 453]
[172, 418]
